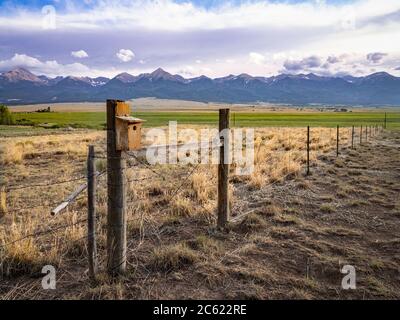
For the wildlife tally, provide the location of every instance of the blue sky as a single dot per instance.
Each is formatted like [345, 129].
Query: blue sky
[215, 38]
[201, 3]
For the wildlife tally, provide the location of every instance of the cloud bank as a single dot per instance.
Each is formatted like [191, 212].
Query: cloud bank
[255, 37]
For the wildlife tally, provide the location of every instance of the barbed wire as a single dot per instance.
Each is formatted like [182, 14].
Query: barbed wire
[50, 184]
[174, 192]
[139, 180]
[41, 205]
[87, 234]
[148, 166]
[43, 232]
[13, 188]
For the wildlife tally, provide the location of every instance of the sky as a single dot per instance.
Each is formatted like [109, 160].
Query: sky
[193, 37]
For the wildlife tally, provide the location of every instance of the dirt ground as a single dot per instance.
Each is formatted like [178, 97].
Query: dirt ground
[301, 232]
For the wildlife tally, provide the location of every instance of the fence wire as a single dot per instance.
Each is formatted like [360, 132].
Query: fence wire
[316, 145]
[43, 233]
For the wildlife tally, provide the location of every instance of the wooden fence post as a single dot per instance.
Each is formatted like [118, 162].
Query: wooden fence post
[223, 169]
[91, 203]
[361, 134]
[116, 191]
[366, 133]
[308, 150]
[3, 201]
[352, 137]
[337, 141]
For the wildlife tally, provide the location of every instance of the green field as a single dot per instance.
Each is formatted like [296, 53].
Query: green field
[96, 120]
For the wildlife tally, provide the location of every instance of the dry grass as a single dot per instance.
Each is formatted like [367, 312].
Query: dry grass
[281, 152]
[312, 223]
[172, 257]
[15, 150]
[327, 208]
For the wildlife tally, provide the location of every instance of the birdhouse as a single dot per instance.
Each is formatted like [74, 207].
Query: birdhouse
[128, 129]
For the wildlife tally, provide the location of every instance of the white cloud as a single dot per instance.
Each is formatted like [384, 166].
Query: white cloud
[125, 55]
[263, 34]
[332, 59]
[79, 54]
[256, 58]
[303, 64]
[376, 57]
[191, 71]
[51, 67]
[170, 15]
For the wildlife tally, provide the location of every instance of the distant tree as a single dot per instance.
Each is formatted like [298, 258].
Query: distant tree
[6, 116]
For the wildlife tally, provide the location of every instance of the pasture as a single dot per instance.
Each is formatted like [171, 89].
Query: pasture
[301, 231]
[96, 120]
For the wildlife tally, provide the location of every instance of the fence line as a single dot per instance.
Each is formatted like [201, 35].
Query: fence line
[12, 188]
[116, 180]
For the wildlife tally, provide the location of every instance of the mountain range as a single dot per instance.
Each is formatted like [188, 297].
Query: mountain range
[20, 86]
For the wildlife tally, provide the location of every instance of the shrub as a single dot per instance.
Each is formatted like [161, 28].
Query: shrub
[6, 116]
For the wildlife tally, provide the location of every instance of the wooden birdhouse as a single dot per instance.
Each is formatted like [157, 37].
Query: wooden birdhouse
[128, 129]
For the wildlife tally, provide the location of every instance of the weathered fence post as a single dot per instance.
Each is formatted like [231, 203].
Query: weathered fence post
[116, 191]
[308, 150]
[352, 137]
[366, 133]
[91, 203]
[3, 201]
[337, 141]
[361, 134]
[223, 169]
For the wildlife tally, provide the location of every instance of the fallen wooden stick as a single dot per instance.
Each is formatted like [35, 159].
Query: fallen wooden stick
[70, 198]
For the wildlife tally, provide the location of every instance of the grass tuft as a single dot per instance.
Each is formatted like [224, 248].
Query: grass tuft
[172, 257]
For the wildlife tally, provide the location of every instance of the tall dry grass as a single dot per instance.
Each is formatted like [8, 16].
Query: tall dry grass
[279, 153]
[15, 150]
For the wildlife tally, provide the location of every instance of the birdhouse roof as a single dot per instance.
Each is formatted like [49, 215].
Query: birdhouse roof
[130, 120]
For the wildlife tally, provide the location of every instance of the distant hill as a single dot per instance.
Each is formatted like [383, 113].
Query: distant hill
[20, 86]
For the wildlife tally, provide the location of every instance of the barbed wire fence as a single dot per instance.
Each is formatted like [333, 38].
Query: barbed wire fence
[312, 147]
